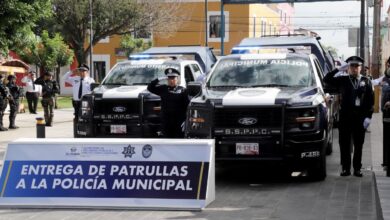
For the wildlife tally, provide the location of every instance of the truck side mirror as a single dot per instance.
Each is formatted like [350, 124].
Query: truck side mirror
[94, 85]
[194, 88]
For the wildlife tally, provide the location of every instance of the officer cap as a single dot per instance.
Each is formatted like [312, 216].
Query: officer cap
[355, 60]
[83, 67]
[172, 72]
[10, 77]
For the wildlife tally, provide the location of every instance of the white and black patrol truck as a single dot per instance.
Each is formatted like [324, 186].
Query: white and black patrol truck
[122, 107]
[265, 107]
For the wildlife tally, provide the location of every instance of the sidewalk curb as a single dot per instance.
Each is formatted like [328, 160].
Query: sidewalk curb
[379, 212]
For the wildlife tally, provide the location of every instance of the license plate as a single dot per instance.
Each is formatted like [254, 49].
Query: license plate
[247, 148]
[118, 129]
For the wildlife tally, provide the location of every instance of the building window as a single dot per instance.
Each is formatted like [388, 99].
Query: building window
[105, 40]
[214, 26]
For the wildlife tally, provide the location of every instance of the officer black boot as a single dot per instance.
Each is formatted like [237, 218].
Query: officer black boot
[1, 124]
[47, 120]
[12, 123]
[50, 121]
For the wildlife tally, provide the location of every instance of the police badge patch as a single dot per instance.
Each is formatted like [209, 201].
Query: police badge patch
[128, 151]
[147, 151]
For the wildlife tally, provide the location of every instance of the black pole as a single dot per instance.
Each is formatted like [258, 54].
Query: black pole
[206, 23]
[362, 29]
[222, 29]
[40, 127]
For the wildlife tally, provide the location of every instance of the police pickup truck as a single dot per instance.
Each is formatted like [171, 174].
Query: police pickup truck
[299, 44]
[265, 107]
[122, 107]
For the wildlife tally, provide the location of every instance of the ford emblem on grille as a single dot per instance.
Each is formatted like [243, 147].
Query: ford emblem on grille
[119, 109]
[247, 121]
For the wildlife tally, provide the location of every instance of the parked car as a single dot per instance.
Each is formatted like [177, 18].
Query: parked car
[122, 106]
[265, 107]
[203, 55]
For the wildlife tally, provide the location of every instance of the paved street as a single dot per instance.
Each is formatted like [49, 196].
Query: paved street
[244, 192]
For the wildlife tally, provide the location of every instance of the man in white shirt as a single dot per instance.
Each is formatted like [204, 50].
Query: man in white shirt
[32, 91]
[81, 83]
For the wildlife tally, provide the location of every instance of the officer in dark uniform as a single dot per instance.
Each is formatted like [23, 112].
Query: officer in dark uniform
[3, 101]
[15, 92]
[49, 89]
[174, 102]
[384, 83]
[357, 101]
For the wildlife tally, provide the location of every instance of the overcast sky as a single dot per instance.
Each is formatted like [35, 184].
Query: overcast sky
[331, 21]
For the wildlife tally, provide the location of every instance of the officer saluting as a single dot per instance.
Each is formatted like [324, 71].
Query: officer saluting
[357, 101]
[81, 83]
[174, 102]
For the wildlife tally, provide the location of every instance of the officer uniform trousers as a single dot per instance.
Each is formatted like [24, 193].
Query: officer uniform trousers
[48, 106]
[32, 100]
[14, 107]
[3, 106]
[351, 131]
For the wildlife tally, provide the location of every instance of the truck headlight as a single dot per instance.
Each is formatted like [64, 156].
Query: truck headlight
[85, 108]
[196, 121]
[306, 119]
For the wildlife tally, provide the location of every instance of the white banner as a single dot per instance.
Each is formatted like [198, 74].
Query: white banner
[110, 173]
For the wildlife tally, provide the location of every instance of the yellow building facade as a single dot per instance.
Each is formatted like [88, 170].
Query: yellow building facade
[241, 21]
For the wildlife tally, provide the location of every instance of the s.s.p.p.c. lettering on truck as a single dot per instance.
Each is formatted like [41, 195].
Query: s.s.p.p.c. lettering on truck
[265, 107]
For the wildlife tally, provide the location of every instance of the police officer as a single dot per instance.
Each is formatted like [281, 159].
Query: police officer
[81, 83]
[15, 94]
[3, 101]
[32, 92]
[357, 101]
[384, 82]
[174, 102]
[49, 89]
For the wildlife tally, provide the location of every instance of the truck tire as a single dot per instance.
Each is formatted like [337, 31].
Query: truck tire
[317, 172]
[75, 135]
[329, 145]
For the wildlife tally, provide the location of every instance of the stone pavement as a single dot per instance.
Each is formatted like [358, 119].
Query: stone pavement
[240, 198]
[382, 181]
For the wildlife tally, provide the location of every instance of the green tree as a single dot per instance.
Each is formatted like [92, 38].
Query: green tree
[48, 53]
[111, 17]
[17, 18]
[134, 45]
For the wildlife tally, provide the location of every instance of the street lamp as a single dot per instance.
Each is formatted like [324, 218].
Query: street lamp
[90, 41]
[206, 23]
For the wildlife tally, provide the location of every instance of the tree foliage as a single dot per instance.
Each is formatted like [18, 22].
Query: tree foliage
[48, 53]
[134, 45]
[17, 18]
[110, 17]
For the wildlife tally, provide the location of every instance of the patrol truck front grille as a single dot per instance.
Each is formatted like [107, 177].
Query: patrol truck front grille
[265, 117]
[117, 106]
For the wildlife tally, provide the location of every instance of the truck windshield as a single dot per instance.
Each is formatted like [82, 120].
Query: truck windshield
[290, 71]
[136, 74]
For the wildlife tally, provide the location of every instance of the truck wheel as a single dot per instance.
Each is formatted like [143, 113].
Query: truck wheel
[75, 135]
[318, 170]
[329, 146]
